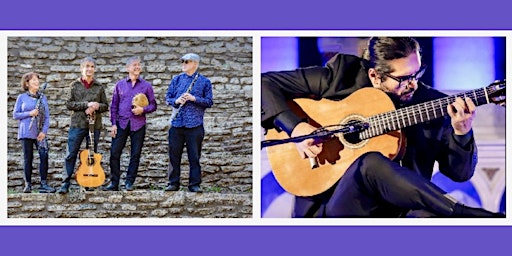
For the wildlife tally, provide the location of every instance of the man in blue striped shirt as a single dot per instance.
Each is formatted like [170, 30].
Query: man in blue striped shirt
[190, 94]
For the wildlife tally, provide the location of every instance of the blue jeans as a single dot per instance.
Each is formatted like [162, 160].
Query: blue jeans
[192, 138]
[75, 138]
[28, 158]
[118, 143]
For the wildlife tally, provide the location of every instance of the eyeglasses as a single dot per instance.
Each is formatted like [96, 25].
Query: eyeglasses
[406, 80]
[186, 61]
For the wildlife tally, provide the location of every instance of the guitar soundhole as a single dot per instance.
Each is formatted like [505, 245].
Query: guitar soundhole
[352, 138]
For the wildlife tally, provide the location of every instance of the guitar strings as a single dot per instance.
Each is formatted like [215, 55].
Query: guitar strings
[390, 121]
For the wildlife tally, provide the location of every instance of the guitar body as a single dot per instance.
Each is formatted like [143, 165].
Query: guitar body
[90, 173]
[381, 133]
[296, 174]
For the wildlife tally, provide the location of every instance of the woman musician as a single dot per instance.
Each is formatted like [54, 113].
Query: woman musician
[33, 115]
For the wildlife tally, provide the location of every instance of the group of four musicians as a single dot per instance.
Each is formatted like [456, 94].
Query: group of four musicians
[189, 93]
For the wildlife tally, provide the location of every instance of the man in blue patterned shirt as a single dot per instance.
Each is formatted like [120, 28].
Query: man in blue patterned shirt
[190, 94]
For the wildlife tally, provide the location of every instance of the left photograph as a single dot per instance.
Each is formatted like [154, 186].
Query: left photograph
[129, 127]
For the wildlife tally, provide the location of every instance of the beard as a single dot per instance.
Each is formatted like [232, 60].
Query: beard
[406, 97]
[403, 99]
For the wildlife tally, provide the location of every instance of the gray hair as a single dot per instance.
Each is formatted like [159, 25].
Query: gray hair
[132, 59]
[87, 59]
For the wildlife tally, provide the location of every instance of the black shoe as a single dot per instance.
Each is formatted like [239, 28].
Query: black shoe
[462, 211]
[89, 189]
[111, 187]
[172, 188]
[195, 189]
[499, 215]
[27, 189]
[128, 186]
[45, 188]
[64, 189]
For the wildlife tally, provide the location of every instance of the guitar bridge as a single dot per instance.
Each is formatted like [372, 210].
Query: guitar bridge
[90, 175]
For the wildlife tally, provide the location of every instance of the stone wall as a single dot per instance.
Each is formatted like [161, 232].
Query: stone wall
[134, 204]
[226, 61]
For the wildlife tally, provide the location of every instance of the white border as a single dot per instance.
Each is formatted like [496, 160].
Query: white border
[256, 220]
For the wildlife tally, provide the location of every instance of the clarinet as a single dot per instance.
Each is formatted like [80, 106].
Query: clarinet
[175, 113]
[38, 103]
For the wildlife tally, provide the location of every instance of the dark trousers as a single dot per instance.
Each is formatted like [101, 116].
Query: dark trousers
[375, 186]
[192, 138]
[118, 143]
[28, 158]
[75, 138]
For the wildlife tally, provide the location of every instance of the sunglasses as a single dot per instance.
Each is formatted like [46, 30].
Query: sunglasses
[186, 61]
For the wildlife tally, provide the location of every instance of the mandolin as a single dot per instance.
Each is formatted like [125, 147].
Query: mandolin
[90, 174]
[364, 121]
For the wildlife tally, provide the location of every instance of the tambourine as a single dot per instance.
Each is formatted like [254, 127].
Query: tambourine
[140, 100]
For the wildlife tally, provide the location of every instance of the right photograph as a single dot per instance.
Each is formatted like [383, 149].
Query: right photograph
[383, 127]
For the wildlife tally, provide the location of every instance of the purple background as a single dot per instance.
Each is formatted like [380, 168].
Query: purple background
[261, 14]
[245, 15]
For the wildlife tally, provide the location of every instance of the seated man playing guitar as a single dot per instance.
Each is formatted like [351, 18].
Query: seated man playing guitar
[382, 165]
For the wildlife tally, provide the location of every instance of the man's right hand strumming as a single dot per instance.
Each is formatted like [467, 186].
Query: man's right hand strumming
[306, 147]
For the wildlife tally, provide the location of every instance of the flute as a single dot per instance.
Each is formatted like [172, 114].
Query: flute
[38, 103]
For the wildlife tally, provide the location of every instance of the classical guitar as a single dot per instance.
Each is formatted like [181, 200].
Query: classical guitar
[364, 121]
[90, 173]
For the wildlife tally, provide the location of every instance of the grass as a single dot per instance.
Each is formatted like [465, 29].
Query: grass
[213, 189]
[154, 187]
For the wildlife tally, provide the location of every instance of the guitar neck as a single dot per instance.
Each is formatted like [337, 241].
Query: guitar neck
[92, 121]
[420, 113]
